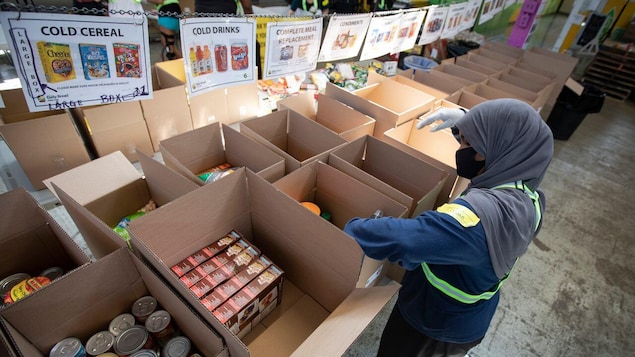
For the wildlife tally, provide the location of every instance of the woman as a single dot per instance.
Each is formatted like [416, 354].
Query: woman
[169, 10]
[457, 256]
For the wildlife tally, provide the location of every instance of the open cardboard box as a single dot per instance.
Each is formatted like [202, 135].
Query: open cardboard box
[495, 55]
[214, 144]
[466, 97]
[18, 110]
[541, 89]
[167, 114]
[31, 240]
[484, 61]
[97, 195]
[437, 148]
[45, 146]
[84, 302]
[374, 77]
[460, 72]
[406, 179]
[298, 139]
[504, 48]
[170, 73]
[209, 107]
[463, 61]
[438, 80]
[321, 309]
[499, 90]
[536, 100]
[118, 127]
[331, 113]
[390, 103]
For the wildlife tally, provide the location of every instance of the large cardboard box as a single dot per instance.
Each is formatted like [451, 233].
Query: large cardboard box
[484, 61]
[504, 48]
[466, 97]
[214, 144]
[463, 61]
[534, 99]
[32, 241]
[497, 90]
[541, 89]
[167, 114]
[344, 197]
[242, 102]
[298, 139]
[209, 107]
[441, 81]
[18, 110]
[321, 310]
[460, 72]
[118, 127]
[438, 148]
[331, 113]
[496, 55]
[97, 195]
[390, 103]
[374, 77]
[87, 299]
[45, 146]
[406, 179]
[170, 73]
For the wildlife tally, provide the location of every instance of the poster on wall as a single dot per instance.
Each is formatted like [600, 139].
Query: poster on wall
[489, 9]
[470, 15]
[433, 25]
[292, 47]
[344, 37]
[381, 36]
[453, 20]
[218, 52]
[409, 28]
[70, 61]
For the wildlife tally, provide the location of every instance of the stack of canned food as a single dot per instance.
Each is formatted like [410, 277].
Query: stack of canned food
[16, 286]
[145, 331]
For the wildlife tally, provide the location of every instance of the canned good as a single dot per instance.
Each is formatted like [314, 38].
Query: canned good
[121, 323]
[143, 307]
[220, 57]
[160, 325]
[179, 346]
[26, 287]
[99, 343]
[133, 339]
[10, 281]
[52, 273]
[240, 56]
[68, 347]
[107, 354]
[145, 353]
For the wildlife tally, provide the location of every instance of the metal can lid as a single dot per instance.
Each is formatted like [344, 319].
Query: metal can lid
[121, 323]
[68, 347]
[52, 273]
[10, 281]
[145, 353]
[100, 342]
[179, 346]
[144, 306]
[131, 340]
[107, 354]
[158, 321]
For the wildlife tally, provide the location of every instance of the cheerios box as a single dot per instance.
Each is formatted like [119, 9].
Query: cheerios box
[84, 301]
[99, 194]
[320, 307]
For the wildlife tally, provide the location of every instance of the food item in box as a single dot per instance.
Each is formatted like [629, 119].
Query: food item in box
[121, 323]
[56, 60]
[25, 287]
[99, 343]
[70, 346]
[161, 327]
[127, 60]
[216, 173]
[202, 255]
[143, 307]
[122, 226]
[133, 339]
[206, 267]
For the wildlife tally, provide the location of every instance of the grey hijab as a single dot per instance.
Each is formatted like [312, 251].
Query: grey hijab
[517, 145]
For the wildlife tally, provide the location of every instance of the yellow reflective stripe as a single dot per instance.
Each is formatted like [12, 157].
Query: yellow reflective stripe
[461, 214]
[455, 293]
[535, 197]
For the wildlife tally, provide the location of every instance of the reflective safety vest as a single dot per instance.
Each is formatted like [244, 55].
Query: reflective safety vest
[463, 217]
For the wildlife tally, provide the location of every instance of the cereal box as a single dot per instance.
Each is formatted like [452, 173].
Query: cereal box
[56, 61]
[127, 60]
[94, 61]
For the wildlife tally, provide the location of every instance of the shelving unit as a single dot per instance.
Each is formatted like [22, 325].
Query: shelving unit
[613, 70]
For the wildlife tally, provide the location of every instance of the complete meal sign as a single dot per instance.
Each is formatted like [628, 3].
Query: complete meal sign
[68, 61]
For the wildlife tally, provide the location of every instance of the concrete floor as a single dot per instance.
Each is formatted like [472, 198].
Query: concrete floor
[573, 292]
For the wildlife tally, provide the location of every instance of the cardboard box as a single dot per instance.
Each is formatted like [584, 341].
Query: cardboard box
[460, 72]
[406, 179]
[541, 89]
[242, 102]
[170, 73]
[19, 109]
[466, 98]
[463, 61]
[504, 48]
[321, 266]
[209, 146]
[331, 113]
[495, 55]
[484, 61]
[534, 99]
[45, 146]
[209, 107]
[118, 127]
[32, 241]
[498, 90]
[390, 103]
[439, 80]
[97, 195]
[299, 140]
[167, 114]
[374, 77]
[87, 299]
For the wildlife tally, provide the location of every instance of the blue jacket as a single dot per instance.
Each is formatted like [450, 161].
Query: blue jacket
[454, 253]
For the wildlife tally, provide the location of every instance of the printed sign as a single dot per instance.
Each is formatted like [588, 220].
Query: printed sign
[344, 37]
[292, 47]
[470, 15]
[218, 52]
[409, 28]
[453, 20]
[69, 61]
[433, 25]
[381, 36]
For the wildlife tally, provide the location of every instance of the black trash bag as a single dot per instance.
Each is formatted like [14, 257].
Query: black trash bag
[460, 47]
[571, 109]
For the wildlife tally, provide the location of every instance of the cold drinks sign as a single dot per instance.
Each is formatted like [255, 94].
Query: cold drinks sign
[218, 52]
[69, 61]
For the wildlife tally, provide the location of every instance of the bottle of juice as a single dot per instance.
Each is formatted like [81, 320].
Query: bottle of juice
[199, 60]
[193, 63]
[207, 59]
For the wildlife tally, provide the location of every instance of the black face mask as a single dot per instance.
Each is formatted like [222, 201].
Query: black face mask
[466, 165]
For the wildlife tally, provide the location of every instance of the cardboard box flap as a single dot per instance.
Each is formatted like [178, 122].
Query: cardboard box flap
[167, 114]
[194, 151]
[476, 66]
[170, 73]
[272, 128]
[88, 182]
[27, 348]
[340, 117]
[112, 116]
[164, 184]
[399, 98]
[209, 107]
[308, 139]
[461, 72]
[519, 92]
[441, 81]
[482, 60]
[334, 336]
[303, 103]
[436, 93]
